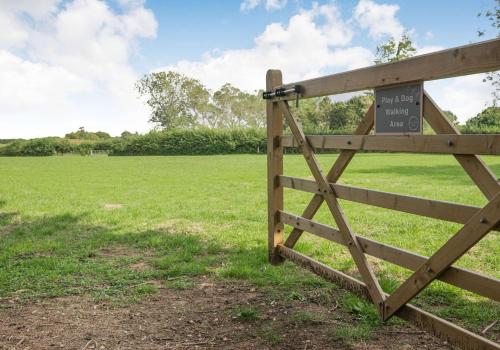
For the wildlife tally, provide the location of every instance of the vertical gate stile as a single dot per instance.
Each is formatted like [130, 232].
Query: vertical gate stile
[274, 169]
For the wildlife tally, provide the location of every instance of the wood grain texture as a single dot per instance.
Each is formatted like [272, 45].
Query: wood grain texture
[475, 58]
[442, 210]
[477, 170]
[274, 169]
[472, 281]
[444, 144]
[334, 174]
[475, 229]
[354, 248]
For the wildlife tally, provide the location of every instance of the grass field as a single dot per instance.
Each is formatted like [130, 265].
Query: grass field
[79, 225]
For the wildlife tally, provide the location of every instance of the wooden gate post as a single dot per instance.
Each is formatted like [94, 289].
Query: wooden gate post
[274, 169]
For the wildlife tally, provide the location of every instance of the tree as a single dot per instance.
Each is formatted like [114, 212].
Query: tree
[395, 50]
[487, 119]
[82, 134]
[493, 16]
[313, 114]
[126, 134]
[347, 115]
[451, 117]
[176, 101]
[236, 108]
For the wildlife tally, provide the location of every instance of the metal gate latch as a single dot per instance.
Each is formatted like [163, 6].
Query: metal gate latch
[280, 92]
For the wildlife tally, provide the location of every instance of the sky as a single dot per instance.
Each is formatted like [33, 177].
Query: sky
[71, 63]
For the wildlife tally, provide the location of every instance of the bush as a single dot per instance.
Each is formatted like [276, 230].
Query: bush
[196, 141]
[176, 142]
[35, 147]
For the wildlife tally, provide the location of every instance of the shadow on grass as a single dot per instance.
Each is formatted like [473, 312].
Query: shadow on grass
[65, 255]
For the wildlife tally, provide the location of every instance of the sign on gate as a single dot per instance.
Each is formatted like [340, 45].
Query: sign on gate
[399, 109]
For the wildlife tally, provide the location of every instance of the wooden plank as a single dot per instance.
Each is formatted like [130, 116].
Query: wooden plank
[446, 144]
[442, 329]
[334, 207]
[472, 164]
[472, 281]
[334, 174]
[414, 205]
[475, 58]
[475, 229]
[274, 169]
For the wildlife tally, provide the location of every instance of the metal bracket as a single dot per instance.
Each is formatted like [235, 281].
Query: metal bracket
[281, 92]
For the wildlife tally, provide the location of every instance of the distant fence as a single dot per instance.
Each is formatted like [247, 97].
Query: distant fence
[478, 222]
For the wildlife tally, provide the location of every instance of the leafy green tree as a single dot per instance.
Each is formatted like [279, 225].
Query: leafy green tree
[488, 118]
[235, 108]
[347, 115]
[82, 134]
[176, 101]
[451, 117]
[127, 134]
[395, 50]
[102, 135]
[313, 114]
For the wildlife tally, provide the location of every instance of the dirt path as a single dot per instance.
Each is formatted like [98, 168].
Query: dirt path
[205, 316]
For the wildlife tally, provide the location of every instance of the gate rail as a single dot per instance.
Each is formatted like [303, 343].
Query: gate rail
[478, 222]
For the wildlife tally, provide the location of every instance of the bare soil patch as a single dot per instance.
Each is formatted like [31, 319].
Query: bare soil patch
[111, 206]
[205, 316]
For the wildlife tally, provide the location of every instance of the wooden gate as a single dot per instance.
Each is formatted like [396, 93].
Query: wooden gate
[478, 222]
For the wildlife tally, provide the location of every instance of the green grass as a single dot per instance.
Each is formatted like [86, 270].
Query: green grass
[71, 225]
[247, 313]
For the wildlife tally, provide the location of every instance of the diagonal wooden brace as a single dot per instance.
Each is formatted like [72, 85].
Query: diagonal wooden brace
[376, 293]
[333, 175]
[475, 229]
[472, 164]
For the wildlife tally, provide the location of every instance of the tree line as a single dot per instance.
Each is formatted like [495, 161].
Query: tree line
[189, 118]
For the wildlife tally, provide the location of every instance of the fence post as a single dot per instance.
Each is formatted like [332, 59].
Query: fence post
[274, 169]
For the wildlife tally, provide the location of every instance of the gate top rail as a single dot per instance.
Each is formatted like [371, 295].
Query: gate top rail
[463, 60]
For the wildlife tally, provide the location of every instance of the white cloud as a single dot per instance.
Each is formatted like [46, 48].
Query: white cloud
[72, 53]
[37, 9]
[275, 4]
[379, 19]
[311, 44]
[465, 96]
[270, 5]
[429, 35]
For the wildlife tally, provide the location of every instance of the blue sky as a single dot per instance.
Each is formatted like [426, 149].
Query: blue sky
[194, 27]
[72, 63]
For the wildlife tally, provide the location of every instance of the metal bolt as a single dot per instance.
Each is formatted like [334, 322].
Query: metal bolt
[349, 142]
[429, 270]
[483, 220]
[450, 143]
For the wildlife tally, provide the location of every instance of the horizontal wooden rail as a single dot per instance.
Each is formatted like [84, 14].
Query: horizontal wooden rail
[475, 58]
[462, 278]
[447, 144]
[442, 210]
[443, 329]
